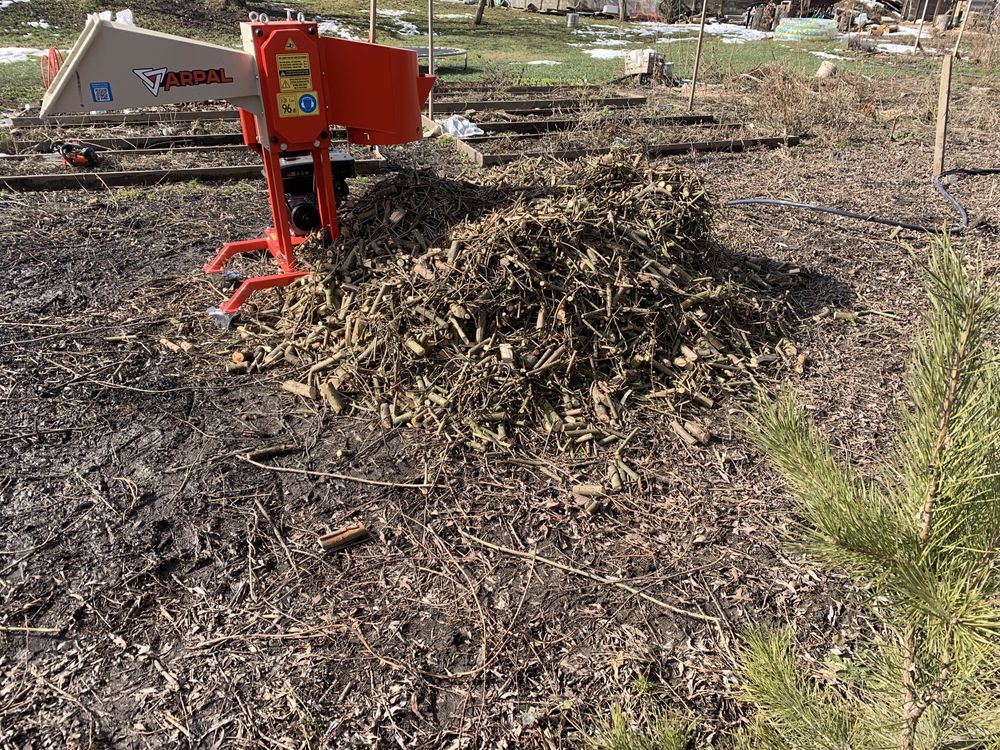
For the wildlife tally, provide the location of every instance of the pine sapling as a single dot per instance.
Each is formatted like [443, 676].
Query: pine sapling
[919, 535]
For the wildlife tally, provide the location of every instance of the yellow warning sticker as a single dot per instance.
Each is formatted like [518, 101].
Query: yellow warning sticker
[294, 72]
[299, 104]
[290, 45]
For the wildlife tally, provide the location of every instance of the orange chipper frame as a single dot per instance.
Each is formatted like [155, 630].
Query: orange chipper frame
[290, 85]
[308, 82]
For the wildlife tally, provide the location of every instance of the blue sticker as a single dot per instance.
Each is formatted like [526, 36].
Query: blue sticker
[101, 92]
[307, 103]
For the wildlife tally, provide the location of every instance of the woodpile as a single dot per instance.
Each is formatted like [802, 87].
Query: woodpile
[557, 299]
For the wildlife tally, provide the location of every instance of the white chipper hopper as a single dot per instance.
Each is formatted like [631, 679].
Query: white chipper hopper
[116, 66]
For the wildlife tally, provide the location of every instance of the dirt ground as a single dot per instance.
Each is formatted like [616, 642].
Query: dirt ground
[157, 590]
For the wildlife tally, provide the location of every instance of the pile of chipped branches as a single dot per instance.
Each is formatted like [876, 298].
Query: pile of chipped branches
[550, 298]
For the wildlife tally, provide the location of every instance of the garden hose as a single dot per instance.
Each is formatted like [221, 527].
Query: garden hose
[939, 185]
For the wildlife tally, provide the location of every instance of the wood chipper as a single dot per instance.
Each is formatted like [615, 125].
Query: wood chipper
[291, 86]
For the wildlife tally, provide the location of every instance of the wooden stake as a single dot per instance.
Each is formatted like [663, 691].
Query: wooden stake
[430, 55]
[697, 54]
[941, 133]
[371, 20]
[966, 12]
[343, 537]
[920, 28]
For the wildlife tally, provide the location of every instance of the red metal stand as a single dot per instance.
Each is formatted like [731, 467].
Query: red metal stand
[277, 240]
[306, 83]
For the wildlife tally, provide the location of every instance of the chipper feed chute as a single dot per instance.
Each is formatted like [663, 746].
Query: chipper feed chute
[291, 85]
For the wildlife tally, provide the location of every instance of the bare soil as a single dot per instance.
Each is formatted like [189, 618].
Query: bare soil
[158, 590]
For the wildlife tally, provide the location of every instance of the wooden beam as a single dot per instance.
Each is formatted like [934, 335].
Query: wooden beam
[663, 149]
[164, 142]
[127, 118]
[563, 123]
[531, 136]
[98, 180]
[139, 141]
[236, 147]
[134, 152]
[524, 105]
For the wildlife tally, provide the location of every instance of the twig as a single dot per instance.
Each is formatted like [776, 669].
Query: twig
[594, 577]
[20, 629]
[322, 631]
[335, 475]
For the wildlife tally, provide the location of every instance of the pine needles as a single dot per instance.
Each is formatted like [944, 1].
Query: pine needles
[629, 728]
[921, 535]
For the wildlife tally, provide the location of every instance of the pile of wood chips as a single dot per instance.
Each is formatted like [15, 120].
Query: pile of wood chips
[551, 299]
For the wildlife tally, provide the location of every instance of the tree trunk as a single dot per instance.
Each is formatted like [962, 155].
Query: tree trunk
[479, 13]
[621, 10]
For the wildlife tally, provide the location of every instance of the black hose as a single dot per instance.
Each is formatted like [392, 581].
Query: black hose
[963, 215]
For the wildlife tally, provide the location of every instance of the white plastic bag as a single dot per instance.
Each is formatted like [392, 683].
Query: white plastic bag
[460, 127]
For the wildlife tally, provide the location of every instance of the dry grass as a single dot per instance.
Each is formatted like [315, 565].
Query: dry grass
[983, 43]
[835, 109]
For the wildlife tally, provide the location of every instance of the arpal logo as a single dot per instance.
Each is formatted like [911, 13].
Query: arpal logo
[152, 78]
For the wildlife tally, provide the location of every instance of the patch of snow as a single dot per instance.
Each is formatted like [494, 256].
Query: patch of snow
[18, 54]
[8, 3]
[925, 33]
[121, 16]
[404, 28]
[336, 28]
[542, 62]
[39, 24]
[896, 49]
[604, 54]
[828, 56]
[725, 30]
[677, 39]
[454, 15]
[612, 42]
[733, 40]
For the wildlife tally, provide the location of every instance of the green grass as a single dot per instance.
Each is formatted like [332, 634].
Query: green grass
[498, 49]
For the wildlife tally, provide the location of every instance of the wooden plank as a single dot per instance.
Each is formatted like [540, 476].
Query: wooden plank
[548, 126]
[133, 152]
[147, 151]
[139, 141]
[452, 89]
[663, 149]
[127, 118]
[522, 105]
[88, 180]
[473, 153]
[529, 136]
